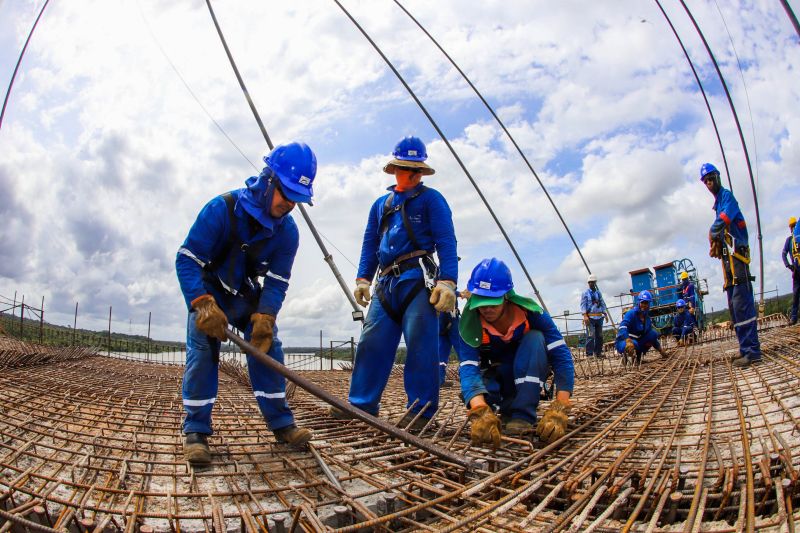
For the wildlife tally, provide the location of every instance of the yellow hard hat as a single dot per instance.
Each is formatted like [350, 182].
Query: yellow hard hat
[684, 275]
[792, 221]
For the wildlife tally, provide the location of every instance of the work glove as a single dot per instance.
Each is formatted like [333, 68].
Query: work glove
[362, 292]
[630, 348]
[210, 319]
[261, 336]
[553, 424]
[443, 296]
[485, 426]
[715, 249]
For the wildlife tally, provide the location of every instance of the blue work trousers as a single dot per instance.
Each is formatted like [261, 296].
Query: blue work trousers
[448, 339]
[682, 332]
[642, 343]
[377, 348]
[745, 321]
[515, 379]
[795, 294]
[594, 339]
[200, 380]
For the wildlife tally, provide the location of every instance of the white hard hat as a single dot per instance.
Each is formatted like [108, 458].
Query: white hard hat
[592, 278]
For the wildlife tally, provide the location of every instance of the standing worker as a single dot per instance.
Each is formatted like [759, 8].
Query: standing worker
[728, 242]
[636, 334]
[688, 291]
[594, 310]
[791, 260]
[238, 237]
[404, 229]
[509, 346]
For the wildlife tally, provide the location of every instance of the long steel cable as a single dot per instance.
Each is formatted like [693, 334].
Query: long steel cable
[791, 15]
[744, 147]
[357, 313]
[449, 146]
[19, 61]
[702, 91]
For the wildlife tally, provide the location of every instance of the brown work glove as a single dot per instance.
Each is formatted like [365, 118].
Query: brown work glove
[485, 426]
[210, 319]
[261, 336]
[630, 348]
[443, 296]
[362, 292]
[715, 249]
[553, 424]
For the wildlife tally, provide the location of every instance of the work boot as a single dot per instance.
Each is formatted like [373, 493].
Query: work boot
[293, 436]
[518, 427]
[195, 449]
[734, 356]
[338, 414]
[663, 353]
[681, 342]
[420, 423]
[744, 362]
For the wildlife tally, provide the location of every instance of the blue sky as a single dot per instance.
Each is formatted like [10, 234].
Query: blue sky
[107, 158]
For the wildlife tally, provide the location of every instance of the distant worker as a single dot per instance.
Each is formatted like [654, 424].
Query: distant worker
[728, 242]
[688, 291]
[683, 324]
[636, 334]
[510, 345]
[238, 237]
[404, 229]
[594, 311]
[791, 260]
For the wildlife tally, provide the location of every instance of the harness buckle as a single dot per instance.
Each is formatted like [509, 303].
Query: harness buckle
[396, 269]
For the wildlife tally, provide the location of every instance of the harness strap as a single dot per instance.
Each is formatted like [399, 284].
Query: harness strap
[398, 267]
[388, 210]
[397, 314]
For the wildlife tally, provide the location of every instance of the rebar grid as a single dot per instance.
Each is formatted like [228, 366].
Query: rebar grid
[686, 444]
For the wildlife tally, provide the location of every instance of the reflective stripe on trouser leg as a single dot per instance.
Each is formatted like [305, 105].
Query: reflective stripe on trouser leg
[269, 387]
[421, 375]
[743, 312]
[199, 379]
[374, 358]
[530, 370]
[444, 355]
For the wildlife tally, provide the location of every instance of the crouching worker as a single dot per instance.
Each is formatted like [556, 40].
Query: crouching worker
[509, 346]
[683, 325]
[636, 334]
[238, 237]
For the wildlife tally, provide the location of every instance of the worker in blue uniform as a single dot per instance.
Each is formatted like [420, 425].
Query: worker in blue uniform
[237, 238]
[683, 324]
[791, 260]
[687, 289]
[594, 310]
[636, 334]
[405, 228]
[728, 242]
[510, 344]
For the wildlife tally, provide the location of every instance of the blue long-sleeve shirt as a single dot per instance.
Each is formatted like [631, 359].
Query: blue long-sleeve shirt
[684, 319]
[592, 302]
[276, 249]
[558, 355]
[432, 223]
[632, 325]
[688, 292]
[729, 217]
[788, 259]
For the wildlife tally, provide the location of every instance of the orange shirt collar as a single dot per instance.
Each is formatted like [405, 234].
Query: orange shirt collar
[517, 318]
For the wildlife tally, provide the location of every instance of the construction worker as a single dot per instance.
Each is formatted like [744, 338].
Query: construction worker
[404, 229]
[594, 310]
[688, 291]
[728, 242]
[509, 346]
[683, 324]
[636, 334]
[238, 237]
[791, 260]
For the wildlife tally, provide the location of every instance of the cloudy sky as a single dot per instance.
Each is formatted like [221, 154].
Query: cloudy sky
[109, 146]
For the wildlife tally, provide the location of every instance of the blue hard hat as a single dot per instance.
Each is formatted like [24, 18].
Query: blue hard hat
[491, 277]
[645, 296]
[296, 166]
[410, 149]
[680, 303]
[706, 169]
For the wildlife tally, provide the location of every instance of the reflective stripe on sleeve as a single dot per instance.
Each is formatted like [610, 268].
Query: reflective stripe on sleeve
[275, 276]
[188, 253]
[556, 344]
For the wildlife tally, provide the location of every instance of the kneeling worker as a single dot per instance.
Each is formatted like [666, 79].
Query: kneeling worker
[509, 345]
[683, 324]
[636, 334]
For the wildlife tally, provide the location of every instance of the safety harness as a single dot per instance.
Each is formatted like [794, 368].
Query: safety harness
[735, 272]
[419, 258]
[795, 250]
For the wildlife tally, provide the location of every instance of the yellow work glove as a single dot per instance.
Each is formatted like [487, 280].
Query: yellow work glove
[362, 292]
[630, 348]
[443, 296]
[261, 336]
[210, 319]
[553, 424]
[485, 426]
